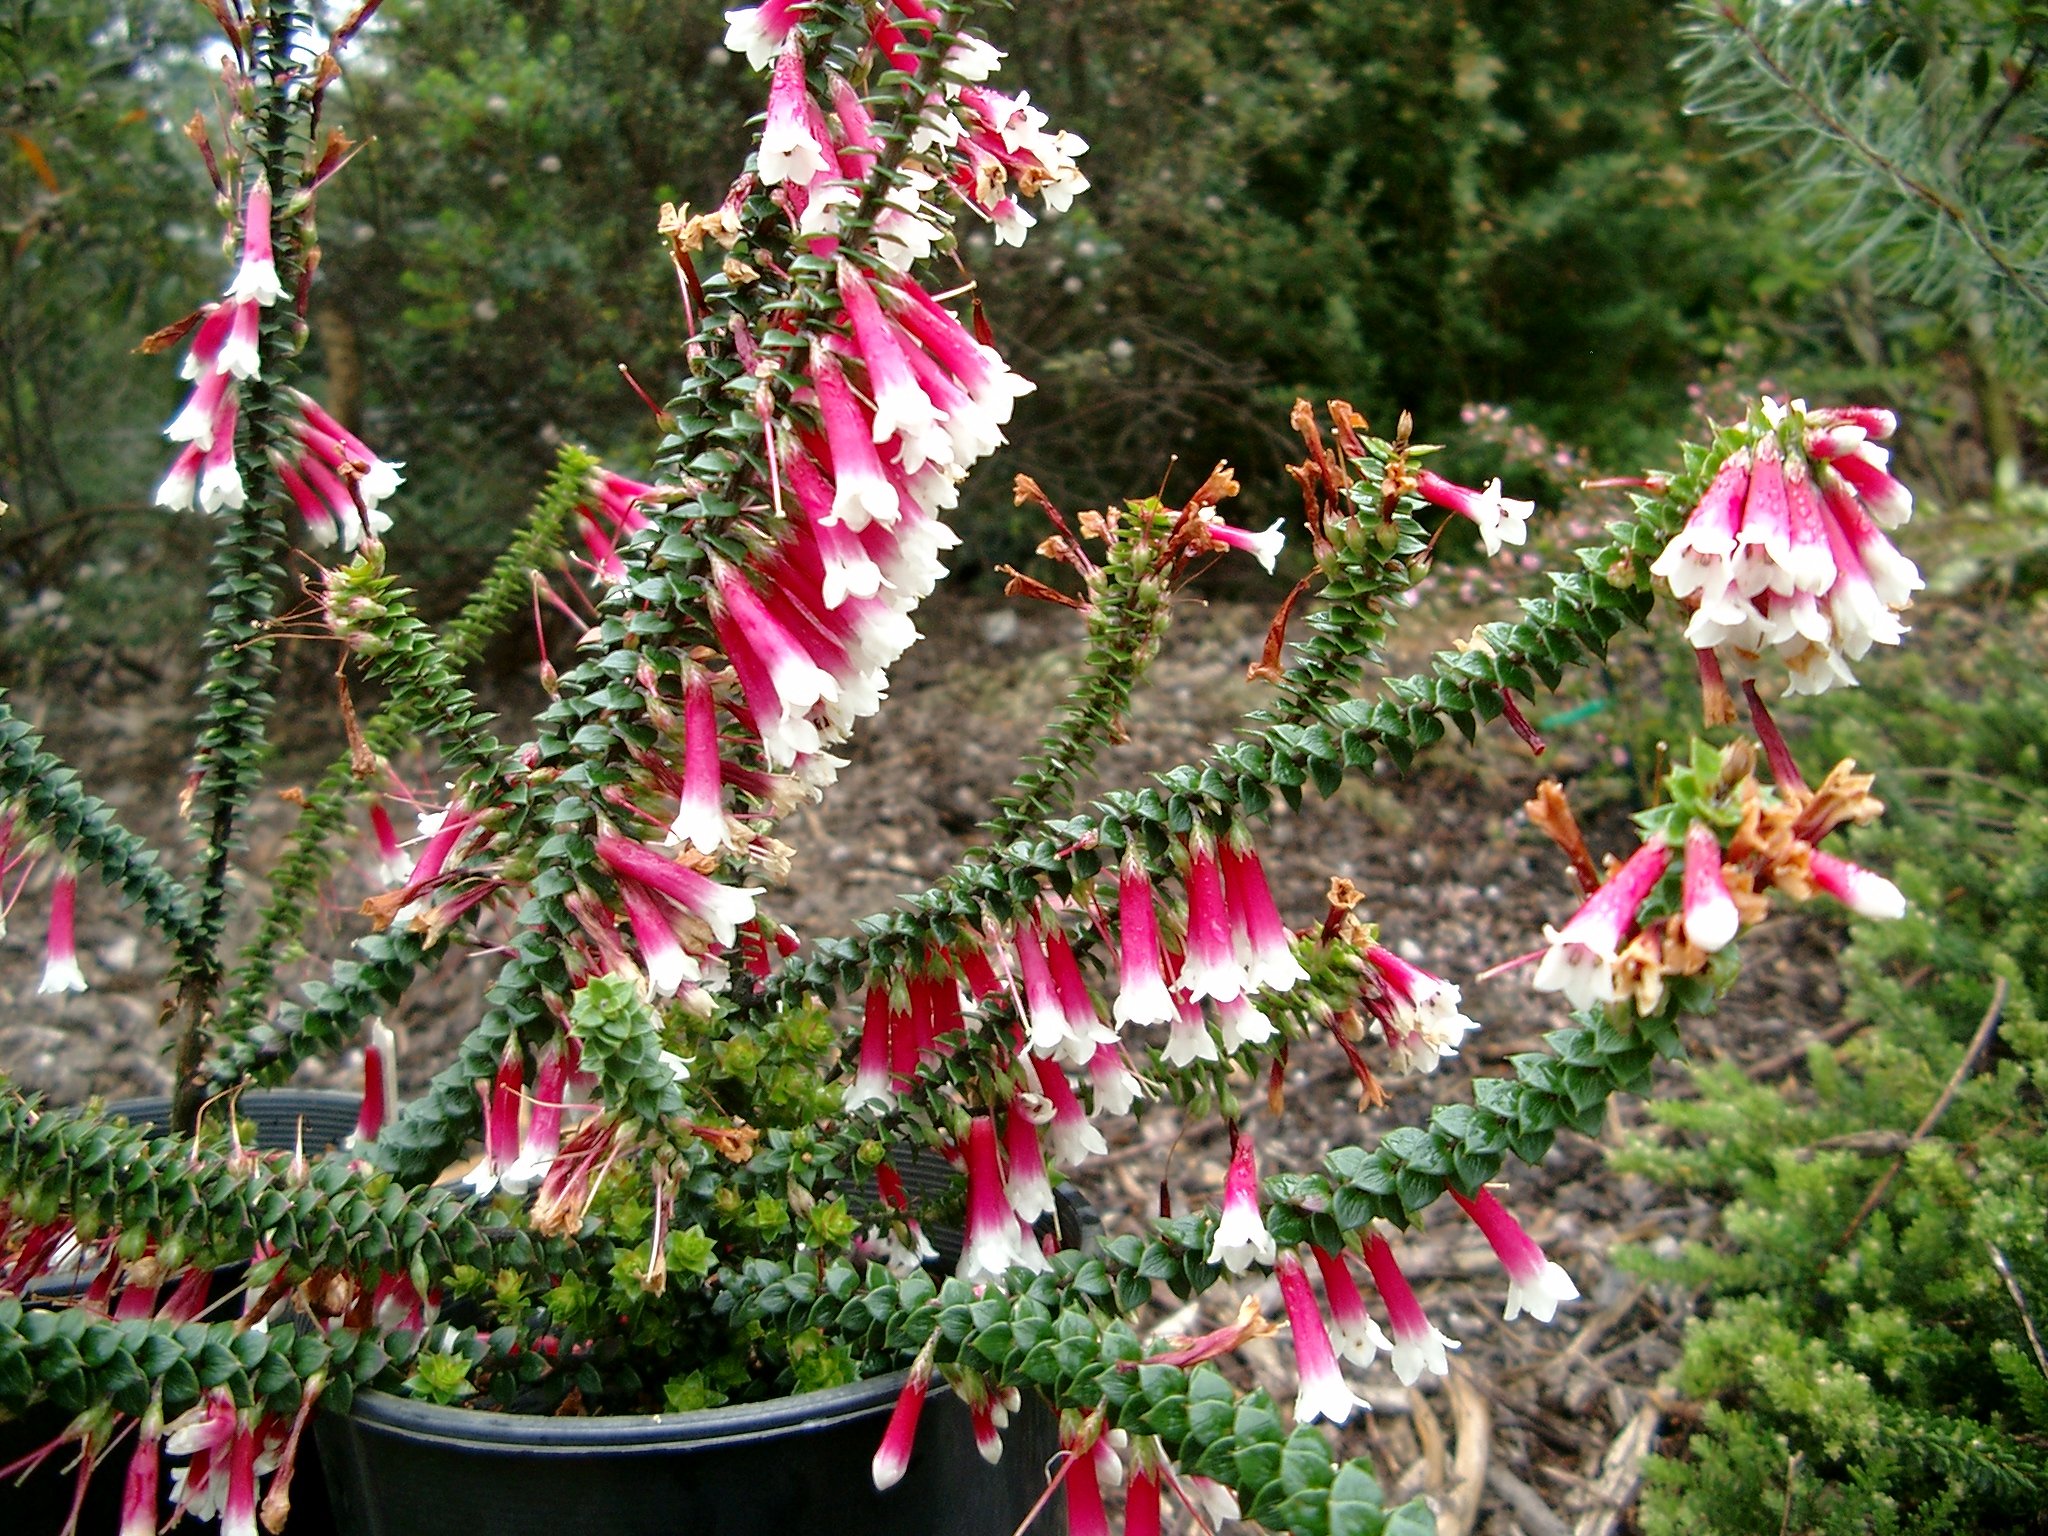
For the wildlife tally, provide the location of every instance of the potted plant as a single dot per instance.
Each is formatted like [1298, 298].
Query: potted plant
[694, 1251]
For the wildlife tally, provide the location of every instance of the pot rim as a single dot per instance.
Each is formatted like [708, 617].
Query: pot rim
[388, 1414]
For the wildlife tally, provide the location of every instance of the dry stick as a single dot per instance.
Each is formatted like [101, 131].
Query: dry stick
[1535, 1516]
[1621, 1473]
[1473, 1416]
[1964, 1067]
[1786, 1060]
[1066, 1460]
[1552, 1371]
[2019, 1299]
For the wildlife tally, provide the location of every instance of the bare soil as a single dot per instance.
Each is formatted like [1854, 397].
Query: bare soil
[1449, 867]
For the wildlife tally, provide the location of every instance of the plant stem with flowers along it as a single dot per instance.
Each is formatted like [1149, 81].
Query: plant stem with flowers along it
[688, 1186]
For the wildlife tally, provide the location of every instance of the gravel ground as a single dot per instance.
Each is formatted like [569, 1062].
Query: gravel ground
[1447, 863]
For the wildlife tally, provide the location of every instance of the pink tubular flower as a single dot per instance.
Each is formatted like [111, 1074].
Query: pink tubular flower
[1047, 1014]
[1085, 1514]
[1580, 961]
[979, 370]
[543, 1137]
[1763, 560]
[700, 817]
[667, 963]
[380, 478]
[799, 681]
[1189, 1040]
[1260, 937]
[139, 1487]
[1210, 969]
[501, 1120]
[861, 493]
[220, 477]
[256, 278]
[993, 1244]
[181, 483]
[1417, 1344]
[1241, 1024]
[1263, 547]
[892, 1459]
[1116, 1086]
[60, 962]
[1084, 1027]
[394, 864]
[1323, 1393]
[1074, 1136]
[1029, 1189]
[1700, 558]
[1860, 890]
[1141, 987]
[380, 1084]
[1241, 1236]
[722, 907]
[1876, 422]
[871, 1077]
[1535, 1284]
[760, 30]
[1710, 916]
[844, 567]
[1141, 1503]
[604, 554]
[1893, 577]
[1417, 1013]
[238, 1516]
[789, 150]
[1888, 501]
[237, 354]
[1501, 519]
[1358, 1336]
[1858, 615]
[1808, 560]
[902, 409]
[194, 422]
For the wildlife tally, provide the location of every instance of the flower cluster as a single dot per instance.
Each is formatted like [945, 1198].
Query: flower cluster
[334, 479]
[1785, 551]
[1702, 870]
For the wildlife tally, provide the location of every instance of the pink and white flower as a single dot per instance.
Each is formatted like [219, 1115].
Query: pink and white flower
[220, 477]
[790, 150]
[1358, 1337]
[394, 864]
[501, 1098]
[60, 958]
[380, 1084]
[1892, 576]
[1418, 1346]
[1260, 938]
[1074, 1136]
[256, 278]
[1029, 1189]
[1262, 547]
[542, 1139]
[892, 1459]
[1580, 960]
[759, 31]
[1763, 561]
[1862, 891]
[1141, 985]
[1701, 557]
[1047, 1015]
[700, 815]
[1241, 1024]
[181, 483]
[140, 1485]
[1535, 1284]
[1210, 969]
[1416, 1013]
[1887, 500]
[871, 1077]
[1085, 1030]
[1501, 519]
[721, 907]
[238, 354]
[902, 409]
[1876, 422]
[1116, 1086]
[1711, 920]
[861, 492]
[1323, 1393]
[1241, 1237]
[668, 965]
[1085, 1513]
[994, 1243]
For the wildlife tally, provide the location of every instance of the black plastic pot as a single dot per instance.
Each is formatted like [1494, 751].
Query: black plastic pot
[792, 1467]
[38, 1506]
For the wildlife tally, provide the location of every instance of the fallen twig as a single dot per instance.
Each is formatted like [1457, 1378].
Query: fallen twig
[1795, 1056]
[1474, 1419]
[2019, 1299]
[1963, 1069]
[1536, 1517]
[1621, 1474]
